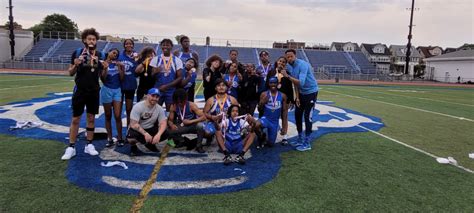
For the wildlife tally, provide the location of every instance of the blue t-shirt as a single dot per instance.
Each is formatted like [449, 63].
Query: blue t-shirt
[130, 79]
[302, 71]
[112, 80]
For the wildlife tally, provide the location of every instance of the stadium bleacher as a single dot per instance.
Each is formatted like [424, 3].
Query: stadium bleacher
[332, 62]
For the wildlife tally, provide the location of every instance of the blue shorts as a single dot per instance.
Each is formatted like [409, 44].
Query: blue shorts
[234, 146]
[108, 95]
[272, 128]
[166, 97]
[209, 128]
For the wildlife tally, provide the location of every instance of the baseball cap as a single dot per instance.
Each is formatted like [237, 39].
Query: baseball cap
[273, 80]
[154, 91]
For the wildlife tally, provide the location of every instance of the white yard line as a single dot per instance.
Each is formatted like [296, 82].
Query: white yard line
[428, 99]
[403, 106]
[406, 145]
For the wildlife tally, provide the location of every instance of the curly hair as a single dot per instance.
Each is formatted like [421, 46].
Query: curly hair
[212, 59]
[89, 31]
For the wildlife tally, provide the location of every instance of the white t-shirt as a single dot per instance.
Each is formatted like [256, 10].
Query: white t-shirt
[157, 61]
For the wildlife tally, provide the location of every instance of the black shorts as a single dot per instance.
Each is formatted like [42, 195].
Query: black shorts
[88, 99]
[129, 94]
[133, 134]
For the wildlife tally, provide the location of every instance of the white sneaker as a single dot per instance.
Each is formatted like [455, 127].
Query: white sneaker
[90, 149]
[69, 153]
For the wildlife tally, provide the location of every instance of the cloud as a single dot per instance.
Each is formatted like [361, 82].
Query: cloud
[438, 22]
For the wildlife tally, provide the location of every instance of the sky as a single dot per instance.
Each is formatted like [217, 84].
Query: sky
[445, 23]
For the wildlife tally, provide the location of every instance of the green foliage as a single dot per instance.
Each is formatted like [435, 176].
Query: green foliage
[60, 26]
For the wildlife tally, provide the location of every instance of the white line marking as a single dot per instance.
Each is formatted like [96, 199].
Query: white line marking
[413, 108]
[406, 145]
[469, 105]
[41, 85]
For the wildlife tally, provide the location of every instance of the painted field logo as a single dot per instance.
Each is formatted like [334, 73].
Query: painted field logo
[184, 172]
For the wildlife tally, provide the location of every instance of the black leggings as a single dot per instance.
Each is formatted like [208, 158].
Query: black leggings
[306, 107]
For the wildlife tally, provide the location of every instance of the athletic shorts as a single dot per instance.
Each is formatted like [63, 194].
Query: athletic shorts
[166, 97]
[108, 95]
[88, 99]
[129, 94]
[272, 128]
[234, 146]
[209, 128]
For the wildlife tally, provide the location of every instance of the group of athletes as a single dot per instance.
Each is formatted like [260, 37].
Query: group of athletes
[233, 92]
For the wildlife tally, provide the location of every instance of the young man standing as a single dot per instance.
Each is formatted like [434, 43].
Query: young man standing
[86, 65]
[185, 53]
[263, 69]
[168, 71]
[301, 75]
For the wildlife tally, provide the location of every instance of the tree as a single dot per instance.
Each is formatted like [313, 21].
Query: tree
[56, 23]
[16, 26]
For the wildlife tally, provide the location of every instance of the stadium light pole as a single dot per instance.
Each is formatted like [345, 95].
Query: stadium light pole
[11, 27]
[408, 52]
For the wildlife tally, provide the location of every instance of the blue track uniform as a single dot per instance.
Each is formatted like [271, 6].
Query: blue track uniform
[233, 89]
[210, 127]
[130, 80]
[234, 141]
[166, 76]
[271, 115]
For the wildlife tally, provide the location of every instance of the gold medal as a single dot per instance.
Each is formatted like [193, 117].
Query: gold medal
[92, 69]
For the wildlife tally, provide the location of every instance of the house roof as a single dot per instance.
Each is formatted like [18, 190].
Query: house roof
[458, 55]
[370, 47]
[339, 45]
[399, 51]
[426, 50]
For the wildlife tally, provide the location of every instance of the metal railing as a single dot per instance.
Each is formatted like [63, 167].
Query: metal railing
[223, 42]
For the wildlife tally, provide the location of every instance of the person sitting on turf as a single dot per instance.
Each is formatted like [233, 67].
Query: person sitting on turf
[189, 119]
[216, 108]
[236, 141]
[274, 105]
[147, 123]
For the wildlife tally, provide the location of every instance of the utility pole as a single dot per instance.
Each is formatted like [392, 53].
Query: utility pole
[407, 59]
[12, 35]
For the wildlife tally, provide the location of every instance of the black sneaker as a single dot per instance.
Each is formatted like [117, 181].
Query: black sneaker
[284, 142]
[240, 159]
[227, 160]
[190, 144]
[133, 150]
[151, 147]
[109, 143]
[269, 145]
[120, 143]
[200, 149]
